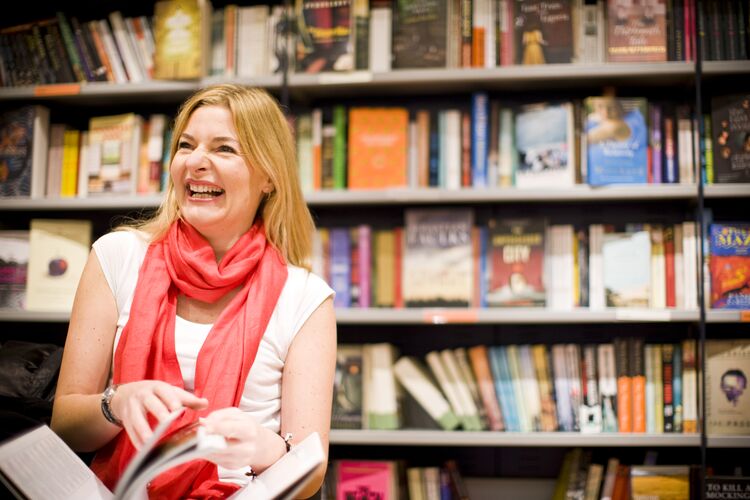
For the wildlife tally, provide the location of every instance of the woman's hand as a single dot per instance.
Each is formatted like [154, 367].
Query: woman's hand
[242, 434]
[133, 402]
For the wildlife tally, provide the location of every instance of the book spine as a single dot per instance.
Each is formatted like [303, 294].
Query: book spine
[341, 266]
[339, 147]
[667, 380]
[68, 40]
[466, 32]
[670, 152]
[689, 387]
[365, 259]
[638, 380]
[677, 387]
[669, 264]
[624, 387]
[742, 19]
[479, 143]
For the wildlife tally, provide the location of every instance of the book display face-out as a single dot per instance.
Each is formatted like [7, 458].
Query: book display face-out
[534, 215]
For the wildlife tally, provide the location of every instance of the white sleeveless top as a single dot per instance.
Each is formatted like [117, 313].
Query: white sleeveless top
[121, 253]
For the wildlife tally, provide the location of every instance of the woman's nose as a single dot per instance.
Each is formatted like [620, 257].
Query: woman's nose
[197, 159]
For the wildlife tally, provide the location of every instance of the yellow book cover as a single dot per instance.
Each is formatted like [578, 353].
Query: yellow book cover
[660, 482]
[58, 250]
[180, 36]
[69, 179]
[114, 142]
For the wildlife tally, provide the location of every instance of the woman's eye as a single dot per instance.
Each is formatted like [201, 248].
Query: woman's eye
[183, 145]
[225, 149]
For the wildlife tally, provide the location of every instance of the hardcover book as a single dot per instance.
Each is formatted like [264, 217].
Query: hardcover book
[543, 31]
[516, 260]
[58, 253]
[545, 146]
[727, 396]
[14, 260]
[23, 151]
[637, 31]
[616, 140]
[729, 265]
[377, 148]
[325, 39]
[438, 267]
[419, 34]
[730, 121]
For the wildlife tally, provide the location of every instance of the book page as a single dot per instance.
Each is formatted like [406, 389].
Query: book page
[39, 466]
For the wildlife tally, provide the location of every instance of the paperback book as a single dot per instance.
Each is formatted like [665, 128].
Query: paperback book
[637, 31]
[38, 463]
[729, 264]
[419, 34]
[14, 261]
[543, 31]
[727, 396]
[616, 140]
[23, 151]
[627, 268]
[325, 36]
[730, 122]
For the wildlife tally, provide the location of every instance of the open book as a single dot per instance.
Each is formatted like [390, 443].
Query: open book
[38, 465]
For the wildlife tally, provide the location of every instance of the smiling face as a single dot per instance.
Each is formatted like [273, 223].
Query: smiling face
[217, 191]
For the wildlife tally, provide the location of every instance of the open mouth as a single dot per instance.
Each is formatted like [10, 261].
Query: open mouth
[203, 192]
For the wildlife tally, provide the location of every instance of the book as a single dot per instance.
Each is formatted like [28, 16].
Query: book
[366, 479]
[14, 260]
[38, 461]
[545, 146]
[515, 263]
[616, 140]
[24, 138]
[665, 482]
[727, 397]
[543, 31]
[377, 148]
[182, 39]
[627, 268]
[419, 34]
[114, 143]
[730, 123]
[418, 382]
[58, 250]
[636, 31]
[325, 38]
[438, 268]
[347, 388]
[729, 265]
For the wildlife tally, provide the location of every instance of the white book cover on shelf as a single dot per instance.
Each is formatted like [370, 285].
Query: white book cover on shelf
[414, 377]
[58, 252]
[14, 262]
[627, 268]
[545, 143]
[38, 465]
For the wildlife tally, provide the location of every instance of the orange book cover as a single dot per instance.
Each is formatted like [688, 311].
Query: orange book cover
[481, 367]
[638, 383]
[423, 148]
[378, 143]
[624, 387]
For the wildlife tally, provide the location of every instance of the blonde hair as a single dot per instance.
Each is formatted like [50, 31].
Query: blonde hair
[267, 142]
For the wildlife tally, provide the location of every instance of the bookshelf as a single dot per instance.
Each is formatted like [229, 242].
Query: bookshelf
[511, 82]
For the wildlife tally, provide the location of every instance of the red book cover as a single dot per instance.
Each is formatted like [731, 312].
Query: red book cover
[365, 479]
[669, 264]
[515, 254]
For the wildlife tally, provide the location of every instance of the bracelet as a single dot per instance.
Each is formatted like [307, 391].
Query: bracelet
[288, 441]
[107, 396]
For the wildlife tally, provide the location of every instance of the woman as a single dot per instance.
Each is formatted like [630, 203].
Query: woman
[223, 309]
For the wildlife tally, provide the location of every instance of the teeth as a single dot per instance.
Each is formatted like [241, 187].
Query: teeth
[205, 189]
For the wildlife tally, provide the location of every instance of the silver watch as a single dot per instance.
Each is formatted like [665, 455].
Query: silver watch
[107, 396]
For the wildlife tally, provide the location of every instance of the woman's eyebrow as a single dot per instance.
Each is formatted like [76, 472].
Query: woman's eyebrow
[215, 139]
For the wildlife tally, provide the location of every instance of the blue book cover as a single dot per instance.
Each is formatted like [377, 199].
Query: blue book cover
[434, 164]
[341, 266]
[479, 138]
[729, 264]
[616, 140]
[504, 387]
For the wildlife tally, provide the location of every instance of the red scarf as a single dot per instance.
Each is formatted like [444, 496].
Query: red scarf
[184, 262]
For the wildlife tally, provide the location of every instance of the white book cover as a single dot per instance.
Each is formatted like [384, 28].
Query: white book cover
[125, 48]
[530, 387]
[467, 374]
[115, 60]
[412, 375]
[382, 407]
[448, 387]
[58, 253]
[380, 39]
[562, 392]
[658, 269]
[252, 32]
[607, 386]
[82, 191]
[690, 264]
[525, 417]
[471, 412]
[452, 142]
[545, 144]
